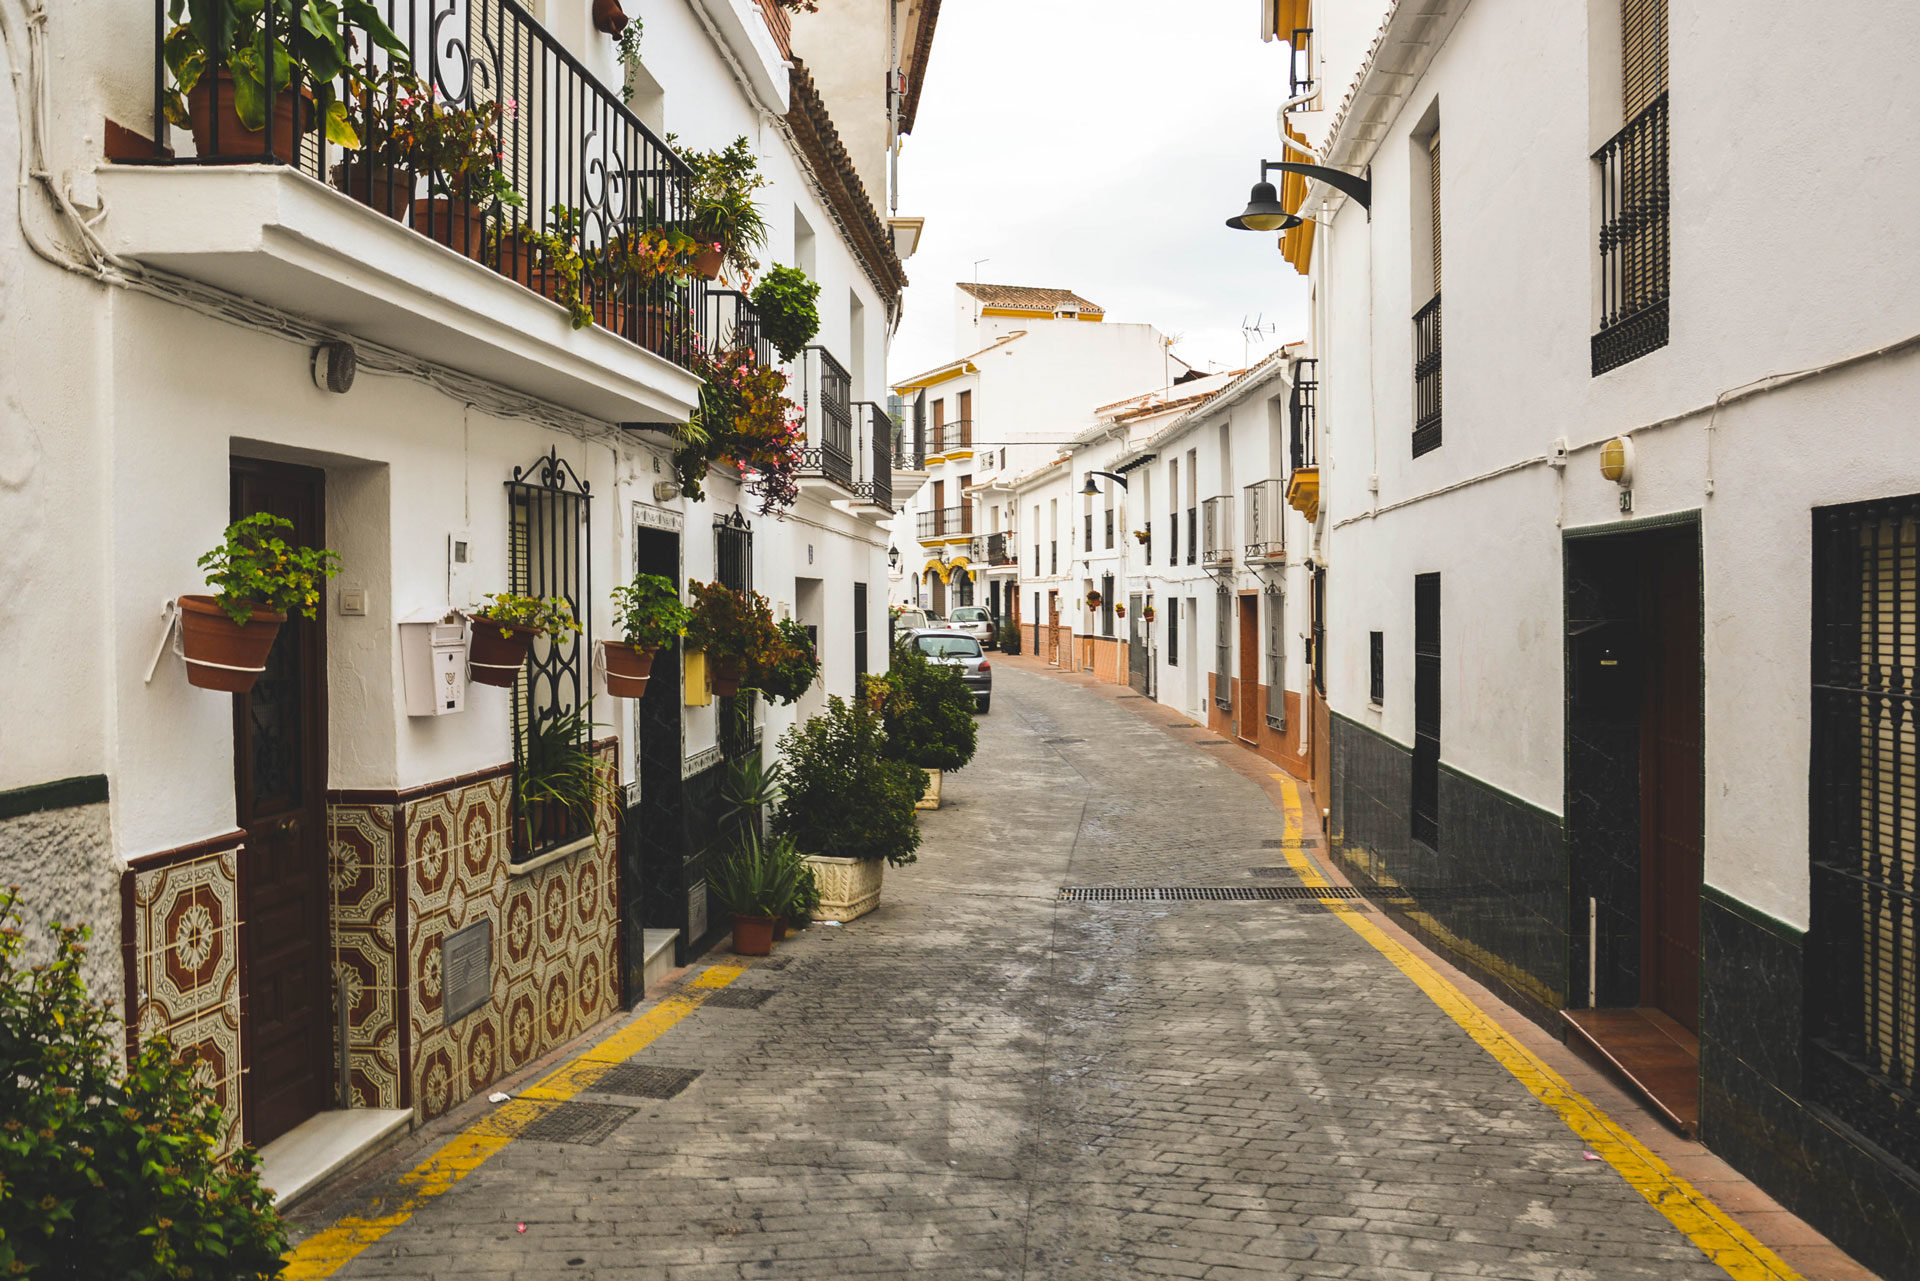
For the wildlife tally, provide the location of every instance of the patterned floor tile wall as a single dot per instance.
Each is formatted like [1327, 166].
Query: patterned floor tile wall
[184, 965]
[361, 873]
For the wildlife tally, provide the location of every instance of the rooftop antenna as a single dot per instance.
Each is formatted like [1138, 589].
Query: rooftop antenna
[976, 281]
[1251, 332]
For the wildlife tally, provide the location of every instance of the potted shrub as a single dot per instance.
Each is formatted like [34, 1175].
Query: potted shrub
[378, 171]
[848, 806]
[1119, 609]
[503, 632]
[629, 270]
[789, 309]
[756, 881]
[744, 419]
[651, 615]
[789, 668]
[220, 52]
[558, 783]
[257, 580]
[1148, 614]
[929, 717]
[731, 628]
[459, 151]
[549, 260]
[726, 221]
[1010, 637]
[111, 1161]
[1094, 599]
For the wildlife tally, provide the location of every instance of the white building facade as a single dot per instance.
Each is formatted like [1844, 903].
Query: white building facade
[1618, 659]
[254, 863]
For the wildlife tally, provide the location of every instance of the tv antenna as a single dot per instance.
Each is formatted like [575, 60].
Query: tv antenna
[1254, 331]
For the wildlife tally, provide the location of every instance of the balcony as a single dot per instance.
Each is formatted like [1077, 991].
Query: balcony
[950, 440]
[1303, 476]
[947, 525]
[826, 462]
[424, 264]
[1264, 535]
[994, 550]
[874, 491]
[1426, 378]
[1216, 531]
[1635, 240]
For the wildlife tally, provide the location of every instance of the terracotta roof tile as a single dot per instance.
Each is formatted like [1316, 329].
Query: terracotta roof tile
[1030, 297]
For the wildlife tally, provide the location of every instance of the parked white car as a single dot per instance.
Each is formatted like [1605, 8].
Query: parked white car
[976, 622]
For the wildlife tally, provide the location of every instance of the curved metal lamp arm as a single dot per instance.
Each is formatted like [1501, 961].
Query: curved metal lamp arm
[1361, 189]
[1113, 476]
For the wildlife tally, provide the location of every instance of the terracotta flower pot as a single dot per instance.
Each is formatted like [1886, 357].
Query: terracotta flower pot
[210, 104]
[221, 654]
[628, 667]
[752, 935]
[493, 659]
[611, 314]
[725, 675]
[387, 188]
[655, 334]
[779, 929]
[459, 224]
[706, 263]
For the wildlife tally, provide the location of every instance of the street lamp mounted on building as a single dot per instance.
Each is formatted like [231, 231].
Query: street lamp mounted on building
[1093, 491]
[1264, 211]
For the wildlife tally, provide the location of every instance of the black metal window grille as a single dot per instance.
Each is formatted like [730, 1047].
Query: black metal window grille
[1300, 405]
[733, 567]
[1193, 535]
[1276, 610]
[962, 587]
[1173, 631]
[1318, 632]
[1376, 668]
[995, 549]
[1106, 605]
[549, 554]
[1109, 528]
[1173, 537]
[956, 437]
[564, 140]
[1223, 649]
[1864, 980]
[859, 630]
[920, 432]
[1426, 377]
[1426, 710]
[1149, 542]
[828, 389]
[1635, 240]
[1300, 80]
[1088, 543]
[878, 487]
[1037, 562]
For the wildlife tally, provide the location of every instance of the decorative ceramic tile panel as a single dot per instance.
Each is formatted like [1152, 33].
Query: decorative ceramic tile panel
[366, 943]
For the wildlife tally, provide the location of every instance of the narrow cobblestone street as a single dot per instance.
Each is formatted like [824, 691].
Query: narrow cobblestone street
[982, 1080]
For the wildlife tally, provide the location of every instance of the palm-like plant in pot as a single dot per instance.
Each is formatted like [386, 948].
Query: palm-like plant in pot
[652, 617]
[758, 881]
[258, 580]
[726, 220]
[731, 628]
[239, 64]
[558, 783]
[504, 628]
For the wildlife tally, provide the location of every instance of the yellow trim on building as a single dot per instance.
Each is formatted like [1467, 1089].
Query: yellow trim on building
[934, 380]
[1038, 313]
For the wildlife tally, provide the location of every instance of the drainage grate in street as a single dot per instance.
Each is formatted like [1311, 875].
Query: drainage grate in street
[1064, 740]
[645, 1081]
[1297, 843]
[1211, 742]
[740, 998]
[586, 1123]
[1189, 893]
[1270, 873]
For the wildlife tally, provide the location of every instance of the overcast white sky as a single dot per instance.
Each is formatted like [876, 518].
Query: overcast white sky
[1097, 145]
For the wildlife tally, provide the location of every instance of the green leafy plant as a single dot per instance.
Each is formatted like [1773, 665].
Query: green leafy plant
[254, 568]
[805, 899]
[789, 309]
[727, 624]
[626, 47]
[752, 785]
[845, 796]
[556, 248]
[929, 712]
[310, 39]
[105, 1170]
[787, 669]
[550, 615]
[758, 876]
[1010, 638]
[724, 212]
[745, 419]
[650, 612]
[457, 148]
[558, 783]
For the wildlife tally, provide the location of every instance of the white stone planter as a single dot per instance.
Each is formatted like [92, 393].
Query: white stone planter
[849, 887]
[930, 801]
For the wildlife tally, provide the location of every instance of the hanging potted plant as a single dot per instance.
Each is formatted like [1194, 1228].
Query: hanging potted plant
[731, 628]
[1148, 614]
[258, 579]
[458, 149]
[1119, 609]
[1094, 600]
[503, 632]
[220, 52]
[789, 309]
[629, 270]
[725, 218]
[558, 782]
[649, 611]
[789, 668]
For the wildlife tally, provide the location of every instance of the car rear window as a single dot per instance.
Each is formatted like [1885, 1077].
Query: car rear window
[973, 615]
[948, 646]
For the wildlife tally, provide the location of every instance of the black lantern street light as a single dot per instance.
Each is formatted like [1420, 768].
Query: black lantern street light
[1093, 491]
[893, 558]
[1264, 211]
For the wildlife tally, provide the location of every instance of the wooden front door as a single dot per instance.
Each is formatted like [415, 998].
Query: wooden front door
[279, 771]
[1249, 707]
[1671, 783]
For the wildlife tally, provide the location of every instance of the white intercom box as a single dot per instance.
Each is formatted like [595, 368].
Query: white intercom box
[433, 661]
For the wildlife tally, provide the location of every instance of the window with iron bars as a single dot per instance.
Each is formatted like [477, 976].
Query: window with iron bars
[1223, 649]
[1635, 231]
[1863, 981]
[733, 567]
[1193, 535]
[1300, 79]
[1426, 710]
[1376, 668]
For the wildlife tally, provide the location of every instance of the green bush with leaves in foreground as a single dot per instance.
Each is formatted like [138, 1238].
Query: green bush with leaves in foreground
[929, 712]
[105, 1170]
[845, 797]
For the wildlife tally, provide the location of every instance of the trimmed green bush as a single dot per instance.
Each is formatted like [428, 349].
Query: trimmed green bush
[108, 1171]
[929, 712]
[845, 796]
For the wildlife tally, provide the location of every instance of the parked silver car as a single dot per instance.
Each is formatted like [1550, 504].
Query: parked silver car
[946, 645]
[975, 621]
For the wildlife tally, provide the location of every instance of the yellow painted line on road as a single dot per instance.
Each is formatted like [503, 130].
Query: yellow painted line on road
[1709, 1227]
[329, 1250]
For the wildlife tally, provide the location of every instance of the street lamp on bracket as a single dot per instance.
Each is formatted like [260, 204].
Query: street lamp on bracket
[1093, 491]
[1264, 211]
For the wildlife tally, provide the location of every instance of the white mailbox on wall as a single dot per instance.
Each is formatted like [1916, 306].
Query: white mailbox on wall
[433, 661]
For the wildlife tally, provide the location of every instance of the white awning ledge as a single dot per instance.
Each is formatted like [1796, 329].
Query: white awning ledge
[270, 233]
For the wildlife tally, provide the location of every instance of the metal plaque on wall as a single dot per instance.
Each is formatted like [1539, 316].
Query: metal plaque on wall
[466, 970]
[697, 910]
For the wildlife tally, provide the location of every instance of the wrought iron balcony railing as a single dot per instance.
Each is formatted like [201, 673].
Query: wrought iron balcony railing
[877, 488]
[512, 139]
[826, 391]
[946, 522]
[1300, 414]
[1216, 524]
[994, 549]
[1265, 538]
[1635, 240]
[1426, 377]
[909, 448]
[955, 437]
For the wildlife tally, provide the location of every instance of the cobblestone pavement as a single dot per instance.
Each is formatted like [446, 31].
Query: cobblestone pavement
[981, 1081]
